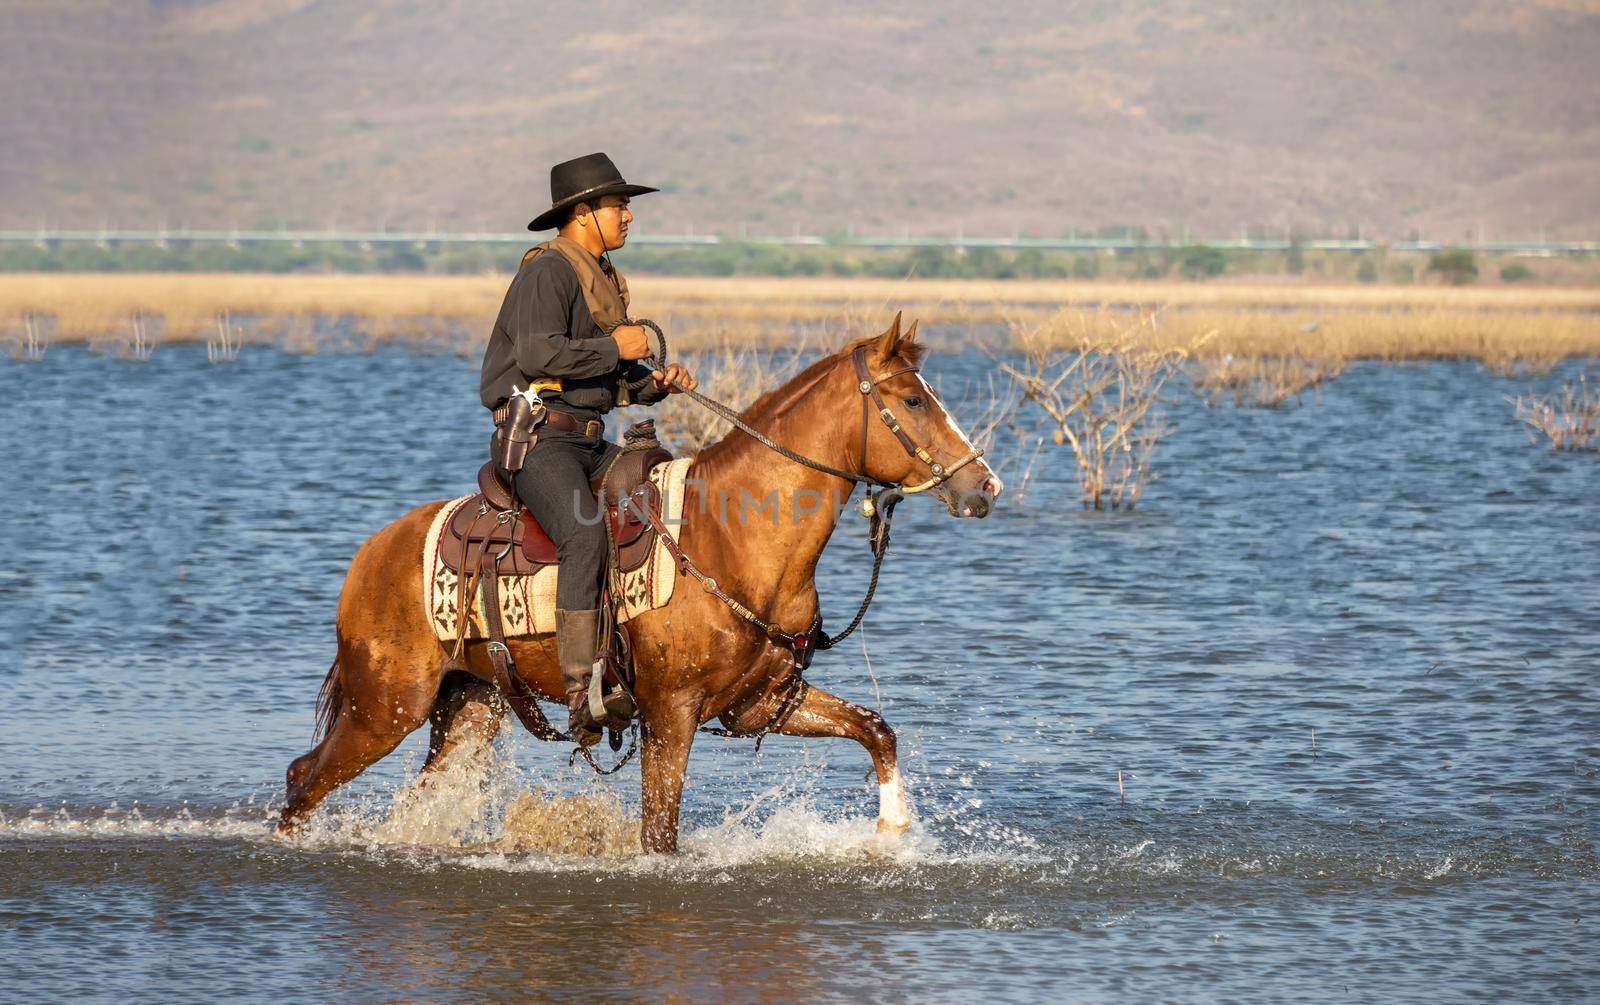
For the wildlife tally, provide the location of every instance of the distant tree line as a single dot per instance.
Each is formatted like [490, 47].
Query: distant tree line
[1194, 262]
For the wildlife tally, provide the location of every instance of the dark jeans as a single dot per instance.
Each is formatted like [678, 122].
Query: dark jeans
[554, 485]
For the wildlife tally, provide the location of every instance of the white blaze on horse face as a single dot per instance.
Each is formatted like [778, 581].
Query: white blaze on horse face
[892, 809]
[950, 421]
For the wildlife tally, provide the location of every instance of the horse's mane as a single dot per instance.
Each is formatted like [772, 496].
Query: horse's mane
[770, 411]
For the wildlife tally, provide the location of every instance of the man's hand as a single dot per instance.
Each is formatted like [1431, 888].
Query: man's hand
[631, 342]
[675, 379]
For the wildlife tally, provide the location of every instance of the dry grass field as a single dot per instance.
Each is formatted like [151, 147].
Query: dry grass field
[1507, 328]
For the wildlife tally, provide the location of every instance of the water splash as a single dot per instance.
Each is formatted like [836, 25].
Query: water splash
[589, 825]
[112, 823]
[477, 810]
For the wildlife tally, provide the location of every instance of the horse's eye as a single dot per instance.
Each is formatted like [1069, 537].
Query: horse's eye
[913, 402]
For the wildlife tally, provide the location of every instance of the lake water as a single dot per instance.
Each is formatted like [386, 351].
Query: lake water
[1389, 566]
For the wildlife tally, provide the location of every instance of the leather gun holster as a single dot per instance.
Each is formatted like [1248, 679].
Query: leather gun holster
[514, 437]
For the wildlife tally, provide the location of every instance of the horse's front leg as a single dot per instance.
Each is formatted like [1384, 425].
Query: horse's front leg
[824, 714]
[663, 757]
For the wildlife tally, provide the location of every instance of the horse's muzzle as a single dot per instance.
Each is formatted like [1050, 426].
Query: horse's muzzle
[977, 504]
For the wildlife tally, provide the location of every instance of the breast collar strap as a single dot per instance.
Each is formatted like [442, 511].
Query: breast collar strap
[870, 400]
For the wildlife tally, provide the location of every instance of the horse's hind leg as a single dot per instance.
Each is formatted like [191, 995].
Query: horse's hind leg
[465, 720]
[380, 695]
[824, 714]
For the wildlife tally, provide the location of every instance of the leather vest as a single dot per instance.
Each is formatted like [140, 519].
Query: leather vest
[604, 290]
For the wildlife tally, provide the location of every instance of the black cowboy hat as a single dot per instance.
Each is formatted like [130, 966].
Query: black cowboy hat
[579, 180]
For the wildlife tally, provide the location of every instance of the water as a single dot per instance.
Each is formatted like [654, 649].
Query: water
[1389, 565]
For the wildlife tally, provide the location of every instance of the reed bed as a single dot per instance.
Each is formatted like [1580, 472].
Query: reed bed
[763, 295]
[1497, 337]
[1510, 329]
[90, 307]
[1260, 381]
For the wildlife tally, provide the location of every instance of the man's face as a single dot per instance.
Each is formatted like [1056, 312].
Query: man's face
[612, 216]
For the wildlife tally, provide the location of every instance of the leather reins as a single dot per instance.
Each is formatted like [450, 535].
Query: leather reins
[871, 401]
[879, 506]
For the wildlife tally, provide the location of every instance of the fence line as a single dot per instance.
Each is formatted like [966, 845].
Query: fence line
[368, 239]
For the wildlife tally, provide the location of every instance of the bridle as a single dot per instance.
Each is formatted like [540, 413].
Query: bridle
[872, 400]
[879, 506]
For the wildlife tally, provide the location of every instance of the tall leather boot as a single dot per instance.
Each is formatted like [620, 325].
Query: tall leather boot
[577, 639]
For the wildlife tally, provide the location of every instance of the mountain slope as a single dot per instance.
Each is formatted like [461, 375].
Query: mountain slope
[1390, 116]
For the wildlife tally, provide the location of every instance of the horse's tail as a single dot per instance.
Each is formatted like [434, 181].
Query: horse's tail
[329, 700]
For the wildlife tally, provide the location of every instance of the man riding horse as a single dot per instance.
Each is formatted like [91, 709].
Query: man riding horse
[562, 354]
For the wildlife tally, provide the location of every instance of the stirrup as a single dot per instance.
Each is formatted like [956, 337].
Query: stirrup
[581, 727]
[613, 711]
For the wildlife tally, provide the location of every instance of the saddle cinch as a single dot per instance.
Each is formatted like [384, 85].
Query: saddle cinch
[495, 520]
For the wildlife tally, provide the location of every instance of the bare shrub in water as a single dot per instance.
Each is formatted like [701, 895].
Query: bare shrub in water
[225, 347]
[145, 331]
[1100, 393]
[1570, 421]
[37, 332]
[989, 416]
[1261, 381]
[733, 374]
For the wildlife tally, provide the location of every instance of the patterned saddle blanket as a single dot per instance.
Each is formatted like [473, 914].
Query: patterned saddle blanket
[528, 601]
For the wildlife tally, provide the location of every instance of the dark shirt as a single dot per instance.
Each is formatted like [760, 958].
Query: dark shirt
[545, 330]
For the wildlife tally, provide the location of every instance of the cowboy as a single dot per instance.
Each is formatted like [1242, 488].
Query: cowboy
[563, 334]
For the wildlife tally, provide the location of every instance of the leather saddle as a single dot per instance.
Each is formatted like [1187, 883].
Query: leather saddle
[495, 520]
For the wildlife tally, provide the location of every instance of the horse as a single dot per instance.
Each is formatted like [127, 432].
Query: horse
[696, 658]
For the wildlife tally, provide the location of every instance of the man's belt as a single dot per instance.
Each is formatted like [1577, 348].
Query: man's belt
[593, 428]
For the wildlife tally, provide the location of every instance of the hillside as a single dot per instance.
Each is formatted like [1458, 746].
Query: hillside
[1389, 116]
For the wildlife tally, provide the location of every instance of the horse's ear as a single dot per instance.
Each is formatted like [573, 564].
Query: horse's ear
[909, 348]
[889, 342]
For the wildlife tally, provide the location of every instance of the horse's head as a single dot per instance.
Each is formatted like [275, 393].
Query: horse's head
[910, 437]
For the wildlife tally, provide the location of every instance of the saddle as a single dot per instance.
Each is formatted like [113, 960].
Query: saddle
[492, 535]
[494, 521]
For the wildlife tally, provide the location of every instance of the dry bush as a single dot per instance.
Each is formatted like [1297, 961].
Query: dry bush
[1260, 381]
[31, 335]
[988, 415]
[1100, 394]
[225, 347]
[145, 330]
[735, 375]
[1570, 421]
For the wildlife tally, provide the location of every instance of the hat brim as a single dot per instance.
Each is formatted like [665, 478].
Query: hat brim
[556, 215]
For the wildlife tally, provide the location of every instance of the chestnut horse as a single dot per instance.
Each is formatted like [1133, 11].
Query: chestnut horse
[696, 660]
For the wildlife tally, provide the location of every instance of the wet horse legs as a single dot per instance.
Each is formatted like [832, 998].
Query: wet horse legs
[465, 718]
[667, 737]
[381, 699]
[824, 714]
